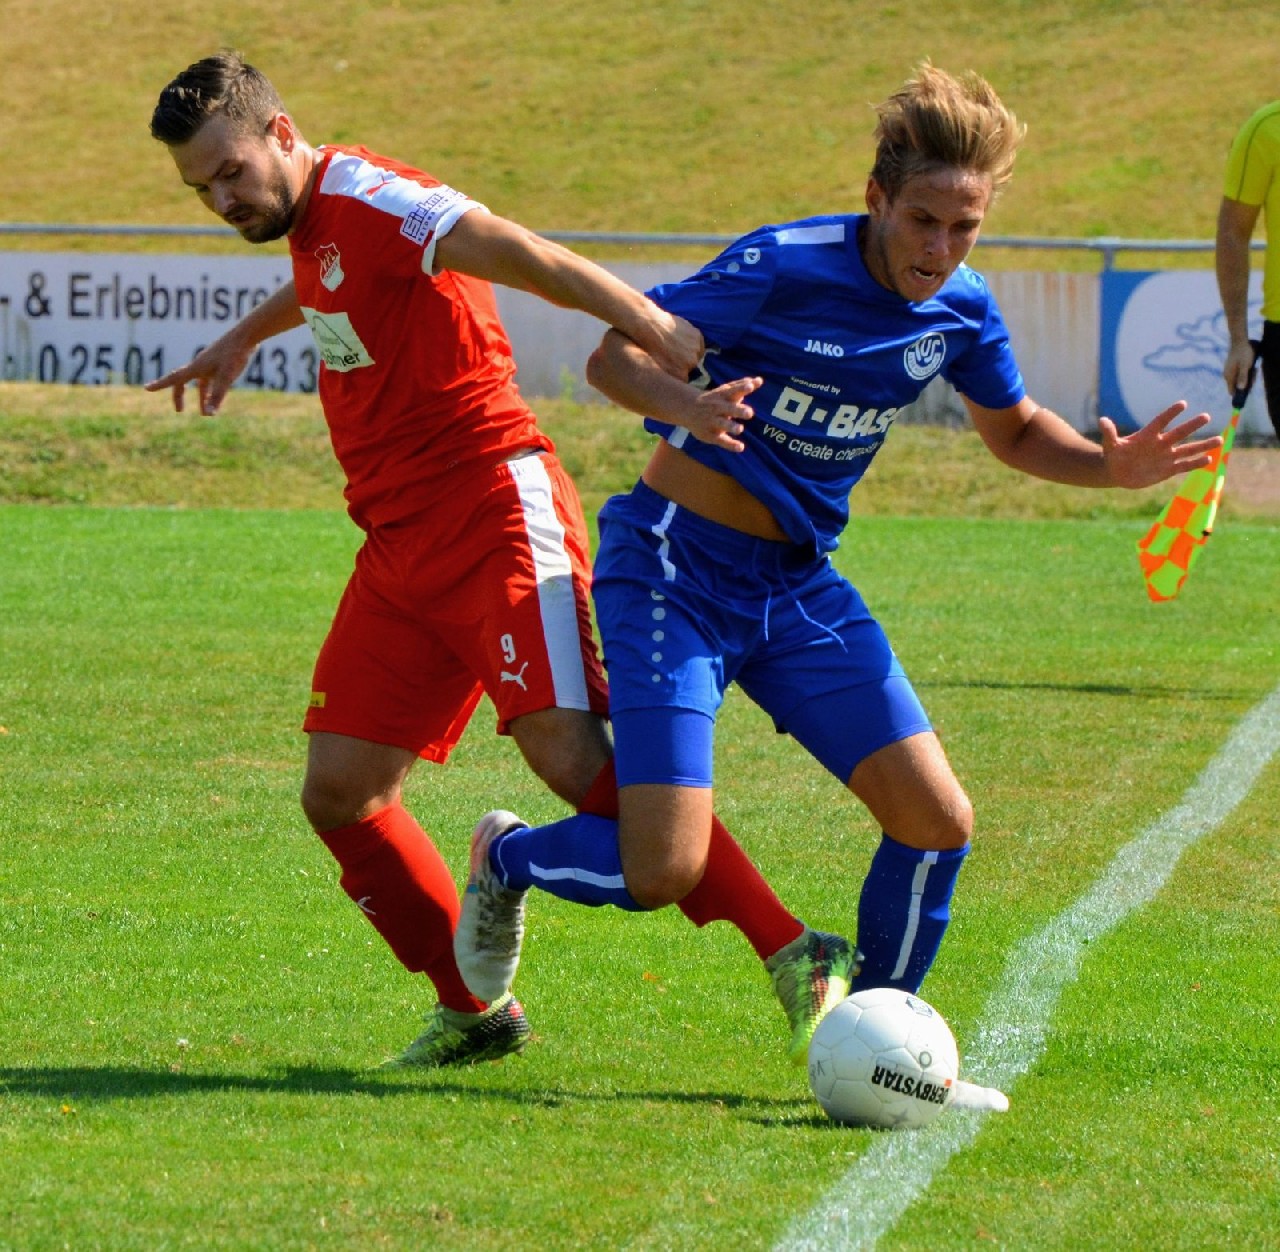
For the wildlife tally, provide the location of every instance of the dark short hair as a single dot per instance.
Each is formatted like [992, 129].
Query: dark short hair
[223, 84]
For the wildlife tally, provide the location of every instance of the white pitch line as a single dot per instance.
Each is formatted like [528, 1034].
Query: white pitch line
[898, 1168]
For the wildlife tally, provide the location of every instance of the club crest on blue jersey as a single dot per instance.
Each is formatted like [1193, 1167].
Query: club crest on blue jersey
[840, 357]
[923, 359]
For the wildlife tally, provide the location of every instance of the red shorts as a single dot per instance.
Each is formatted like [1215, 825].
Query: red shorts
[488, 591]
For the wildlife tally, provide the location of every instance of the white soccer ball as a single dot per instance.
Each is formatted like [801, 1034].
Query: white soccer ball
[883, 1058]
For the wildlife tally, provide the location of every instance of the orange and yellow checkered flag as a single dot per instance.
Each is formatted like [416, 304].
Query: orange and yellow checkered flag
[1170, 548]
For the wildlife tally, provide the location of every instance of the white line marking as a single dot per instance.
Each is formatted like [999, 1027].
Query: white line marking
[898, 1168]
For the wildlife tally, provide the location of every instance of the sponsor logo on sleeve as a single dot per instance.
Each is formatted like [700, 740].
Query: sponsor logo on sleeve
[424, 217]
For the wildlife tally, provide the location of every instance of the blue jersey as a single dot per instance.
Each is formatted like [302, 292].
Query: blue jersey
[840, 356]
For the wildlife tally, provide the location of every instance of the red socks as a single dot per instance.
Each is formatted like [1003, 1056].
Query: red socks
[399, 880]
[602, 798]
[731, 888]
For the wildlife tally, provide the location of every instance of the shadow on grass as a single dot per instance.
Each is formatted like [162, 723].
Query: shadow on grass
[88, 1083]
[1088, 689]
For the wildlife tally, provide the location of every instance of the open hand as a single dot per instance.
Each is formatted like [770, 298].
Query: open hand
[719, 415]
[1157, 451]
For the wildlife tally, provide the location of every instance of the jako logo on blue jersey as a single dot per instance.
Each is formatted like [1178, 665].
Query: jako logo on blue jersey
[923, 359]
[824, 349]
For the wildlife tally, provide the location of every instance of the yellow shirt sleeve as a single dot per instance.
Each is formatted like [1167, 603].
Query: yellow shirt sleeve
[1254, 158]
[1253, 177]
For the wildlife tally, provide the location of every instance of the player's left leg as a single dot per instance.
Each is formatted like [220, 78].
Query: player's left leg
[927, 820]
[387, 691]
[830, 679]
[923, 812]
[390, 869]
[396, 876]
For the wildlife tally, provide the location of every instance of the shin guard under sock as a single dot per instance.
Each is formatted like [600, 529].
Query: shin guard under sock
[400, 882]
[731, 889]
[576, 859]
[903, 913]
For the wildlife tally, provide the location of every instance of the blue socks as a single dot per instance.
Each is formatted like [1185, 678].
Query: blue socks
[903, 913]
[576, 859]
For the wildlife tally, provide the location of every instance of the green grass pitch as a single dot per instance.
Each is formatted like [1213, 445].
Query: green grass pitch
[192, 1012]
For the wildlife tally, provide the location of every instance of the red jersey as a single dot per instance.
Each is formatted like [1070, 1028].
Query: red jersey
[416, 374]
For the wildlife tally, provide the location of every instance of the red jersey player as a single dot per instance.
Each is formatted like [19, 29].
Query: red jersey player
[474, 573]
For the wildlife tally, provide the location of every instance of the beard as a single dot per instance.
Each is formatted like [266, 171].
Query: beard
[276, 214]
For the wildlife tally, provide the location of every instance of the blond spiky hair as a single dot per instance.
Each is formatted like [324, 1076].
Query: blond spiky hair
[937, 120]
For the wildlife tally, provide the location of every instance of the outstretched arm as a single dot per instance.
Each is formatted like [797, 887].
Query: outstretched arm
[1236, 221]
[216, 367]
[629, 376]
[1039, 442]
[501, 251]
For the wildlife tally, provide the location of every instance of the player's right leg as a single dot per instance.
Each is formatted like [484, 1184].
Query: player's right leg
[386, 691]
[666, 841]
[553, 633]
[660, 844]
[395, 875]
[570, 751]
[582, 858]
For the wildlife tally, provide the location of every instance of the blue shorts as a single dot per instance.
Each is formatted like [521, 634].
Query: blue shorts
[686, 606]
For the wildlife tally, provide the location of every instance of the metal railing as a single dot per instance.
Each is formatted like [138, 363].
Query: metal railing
[1107, 247]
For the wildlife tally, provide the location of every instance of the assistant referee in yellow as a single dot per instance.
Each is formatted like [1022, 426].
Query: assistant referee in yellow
[1252, 187]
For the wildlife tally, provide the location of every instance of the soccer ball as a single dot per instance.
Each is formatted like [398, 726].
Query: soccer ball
[883, 1058]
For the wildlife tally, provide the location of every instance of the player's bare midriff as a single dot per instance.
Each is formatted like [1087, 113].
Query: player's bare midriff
[709, 494]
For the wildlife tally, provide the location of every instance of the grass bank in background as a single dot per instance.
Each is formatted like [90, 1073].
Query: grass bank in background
[680, 115]
[123, 446]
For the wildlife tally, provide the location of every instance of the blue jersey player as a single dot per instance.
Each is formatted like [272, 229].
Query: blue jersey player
[715, 568]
